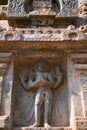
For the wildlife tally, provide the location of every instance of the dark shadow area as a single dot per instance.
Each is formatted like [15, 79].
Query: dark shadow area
[56, 6]
[3, 2]
[28, 6]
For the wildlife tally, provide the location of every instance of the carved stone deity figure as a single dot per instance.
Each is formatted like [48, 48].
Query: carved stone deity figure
[44, 81]
[45, 7]
[36, 3]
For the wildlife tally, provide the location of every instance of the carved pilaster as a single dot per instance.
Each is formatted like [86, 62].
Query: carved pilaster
[79, 76]
[6, 83]
[3, 69]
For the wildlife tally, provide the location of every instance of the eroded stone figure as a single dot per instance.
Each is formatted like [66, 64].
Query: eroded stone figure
[44, 82]
[46, 7]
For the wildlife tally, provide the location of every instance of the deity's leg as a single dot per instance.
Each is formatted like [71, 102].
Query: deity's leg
[48, 106]
[38, 104]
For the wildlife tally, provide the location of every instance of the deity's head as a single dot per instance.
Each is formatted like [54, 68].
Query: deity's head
[40, 66]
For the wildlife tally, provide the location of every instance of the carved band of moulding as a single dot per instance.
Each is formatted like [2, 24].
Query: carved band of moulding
[44, 81]
[9, 35]
[44, 34]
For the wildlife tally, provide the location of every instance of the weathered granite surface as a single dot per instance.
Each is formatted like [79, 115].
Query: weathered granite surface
[43, 65]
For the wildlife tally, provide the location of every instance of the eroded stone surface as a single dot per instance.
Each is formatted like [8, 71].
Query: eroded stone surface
[43, 34]
[43, 82]
[83, 8]
[27, 119]
[60, 128]
[66, 7]
[43, 65]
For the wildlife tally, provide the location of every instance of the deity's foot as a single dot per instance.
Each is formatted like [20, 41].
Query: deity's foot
[46, 125]
[35, 125]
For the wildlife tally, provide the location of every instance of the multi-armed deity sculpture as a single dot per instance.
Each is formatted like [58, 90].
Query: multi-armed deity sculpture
[43, 65]
[43, 81]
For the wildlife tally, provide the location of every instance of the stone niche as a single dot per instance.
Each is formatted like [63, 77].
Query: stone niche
[24, 104]
[31, 74]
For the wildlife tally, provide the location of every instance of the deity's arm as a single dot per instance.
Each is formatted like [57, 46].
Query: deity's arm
[59, 81]
[25, 84]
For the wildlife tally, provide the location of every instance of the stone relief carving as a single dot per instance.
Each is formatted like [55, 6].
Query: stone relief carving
[68, 8]
[47, 7]
[83, 83]
[36, 3]
[6, 83]
[44, 81]
[9, 35]
[16, 7]
[73, 33]
[83, 8]
[42, 8]
[80, 64]
[38, 97]
[82, 77]
[23, 7]
[43, 34]
[83, 28]
[3, 69]
[3, 11]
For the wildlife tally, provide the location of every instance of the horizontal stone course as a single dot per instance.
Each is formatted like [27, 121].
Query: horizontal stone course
[42, 128]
